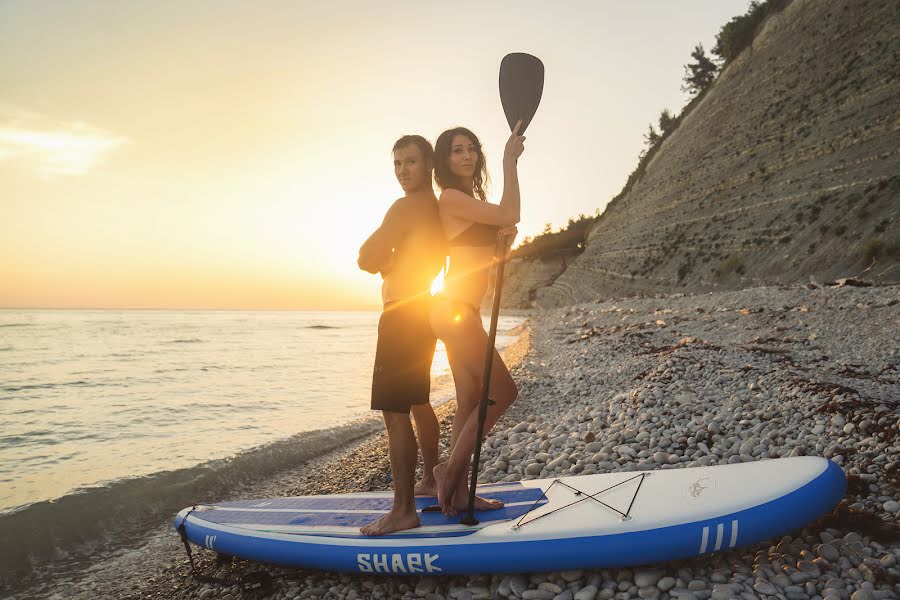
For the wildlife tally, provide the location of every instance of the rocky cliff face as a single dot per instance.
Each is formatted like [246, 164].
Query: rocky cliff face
[524, 277]
[788, 168]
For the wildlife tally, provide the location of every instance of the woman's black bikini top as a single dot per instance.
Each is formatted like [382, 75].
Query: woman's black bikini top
[476, 234]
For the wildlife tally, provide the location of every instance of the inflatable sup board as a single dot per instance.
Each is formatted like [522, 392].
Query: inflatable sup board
[588, 521]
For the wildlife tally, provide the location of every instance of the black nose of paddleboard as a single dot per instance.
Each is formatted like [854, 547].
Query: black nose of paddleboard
[521, 86]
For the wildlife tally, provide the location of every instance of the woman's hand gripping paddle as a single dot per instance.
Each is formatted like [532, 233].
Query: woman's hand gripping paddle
[521, 86]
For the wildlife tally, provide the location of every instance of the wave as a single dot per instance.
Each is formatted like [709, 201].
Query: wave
[48, 386]
[17, 324]
[186, 341]
[192, 368]
[40, 531]
[321, 327]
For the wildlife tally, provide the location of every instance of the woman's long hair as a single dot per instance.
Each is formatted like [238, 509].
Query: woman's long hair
[445, 177]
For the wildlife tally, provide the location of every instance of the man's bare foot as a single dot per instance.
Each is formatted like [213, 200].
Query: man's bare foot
[426, 487]
[390, 523]
[445, 485]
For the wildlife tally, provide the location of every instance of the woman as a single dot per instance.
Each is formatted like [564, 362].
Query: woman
[472, 226]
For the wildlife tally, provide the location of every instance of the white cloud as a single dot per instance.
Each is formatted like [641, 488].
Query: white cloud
[53, 148]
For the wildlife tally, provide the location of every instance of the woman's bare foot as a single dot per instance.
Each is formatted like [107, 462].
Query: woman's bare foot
[445, 489]
[390, 523]
[426, 487]
[480, 503]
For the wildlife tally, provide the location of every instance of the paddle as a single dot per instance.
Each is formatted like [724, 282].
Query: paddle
[521, 85]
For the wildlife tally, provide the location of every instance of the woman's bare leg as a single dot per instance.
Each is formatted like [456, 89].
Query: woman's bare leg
[466, 344]
[456, 469]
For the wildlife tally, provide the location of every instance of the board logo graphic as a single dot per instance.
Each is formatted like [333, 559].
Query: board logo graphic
[210, 540]
[705, 541]
[697, 487]
[701, 490]
[398, 563]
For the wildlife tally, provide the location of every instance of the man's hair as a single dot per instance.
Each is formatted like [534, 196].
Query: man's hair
[416, 140]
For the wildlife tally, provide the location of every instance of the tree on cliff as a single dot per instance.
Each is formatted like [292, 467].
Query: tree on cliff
[700, 74]
[651, 137]
[666, 121]
[738, 33]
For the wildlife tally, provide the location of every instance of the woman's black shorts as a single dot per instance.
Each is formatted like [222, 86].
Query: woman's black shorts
[403, 357]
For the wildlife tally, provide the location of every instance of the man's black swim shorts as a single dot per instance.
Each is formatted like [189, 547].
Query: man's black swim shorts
[403, 357]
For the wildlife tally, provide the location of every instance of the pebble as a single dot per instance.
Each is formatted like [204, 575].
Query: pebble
[829, 552]
[764, 587]
[693, 585]
[666, 583]
[550, 587]
[425, 586]
[781, 580]
[647, 578]
[517, 584]
[588, 592]
[809, 567]
[536, 594]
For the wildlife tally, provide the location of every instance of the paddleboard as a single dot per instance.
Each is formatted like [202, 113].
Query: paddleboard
[588, 521]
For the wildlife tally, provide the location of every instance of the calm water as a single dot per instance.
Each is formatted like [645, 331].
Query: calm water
[88, 398]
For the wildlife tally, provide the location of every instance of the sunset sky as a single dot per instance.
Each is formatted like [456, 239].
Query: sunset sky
[210, 154]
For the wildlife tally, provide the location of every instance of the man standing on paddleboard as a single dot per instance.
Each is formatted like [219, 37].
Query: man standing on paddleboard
[408, 250]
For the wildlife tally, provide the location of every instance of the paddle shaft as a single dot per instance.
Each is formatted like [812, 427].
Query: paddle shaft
[469, 518]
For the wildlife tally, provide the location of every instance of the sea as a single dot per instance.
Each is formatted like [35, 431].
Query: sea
[115, 415]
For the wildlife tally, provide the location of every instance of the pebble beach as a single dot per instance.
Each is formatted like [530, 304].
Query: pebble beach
[639, 384]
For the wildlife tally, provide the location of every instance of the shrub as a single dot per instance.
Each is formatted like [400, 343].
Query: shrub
[729, 265]
[893, 249]
[738, 33]
[872, 249]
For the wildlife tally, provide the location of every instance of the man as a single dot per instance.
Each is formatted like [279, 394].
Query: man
[409, 251]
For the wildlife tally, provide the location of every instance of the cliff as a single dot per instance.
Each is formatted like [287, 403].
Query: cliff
[787, 168]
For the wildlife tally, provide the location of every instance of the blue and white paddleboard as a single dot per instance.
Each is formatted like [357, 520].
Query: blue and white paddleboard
[588, 521]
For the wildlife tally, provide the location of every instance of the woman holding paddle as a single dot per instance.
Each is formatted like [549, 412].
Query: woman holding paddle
[473, 228]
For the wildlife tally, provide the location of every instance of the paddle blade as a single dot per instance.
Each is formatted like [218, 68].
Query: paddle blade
[521, 86]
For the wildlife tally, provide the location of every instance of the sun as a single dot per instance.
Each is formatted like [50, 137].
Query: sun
[438, 284]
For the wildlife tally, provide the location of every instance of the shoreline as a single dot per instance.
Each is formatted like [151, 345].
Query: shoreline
[160, 553]
[668, 382]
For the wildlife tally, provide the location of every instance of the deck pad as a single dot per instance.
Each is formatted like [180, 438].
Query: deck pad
[343, 515]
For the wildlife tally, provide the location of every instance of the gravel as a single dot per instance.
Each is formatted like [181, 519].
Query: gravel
[652, 383]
